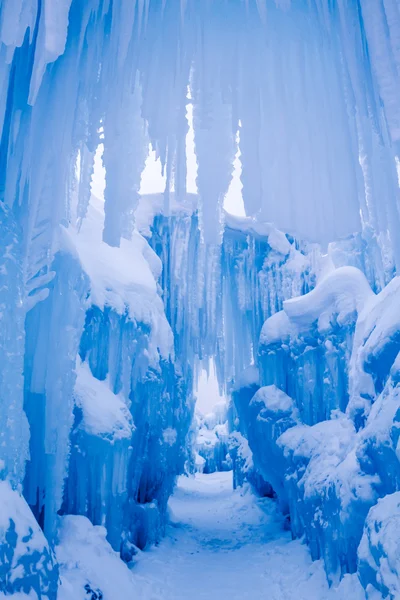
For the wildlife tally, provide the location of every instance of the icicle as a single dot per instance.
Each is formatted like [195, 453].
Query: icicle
[124, 157]
[212, 122]
[52, 37]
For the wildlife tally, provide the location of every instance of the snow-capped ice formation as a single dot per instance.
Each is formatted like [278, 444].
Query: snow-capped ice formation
[326, 437]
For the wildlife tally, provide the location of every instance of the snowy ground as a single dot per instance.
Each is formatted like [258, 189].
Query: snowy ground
[229, 544]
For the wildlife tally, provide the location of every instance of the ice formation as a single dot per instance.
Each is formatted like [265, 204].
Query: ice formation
[110, 307]
[211, 445]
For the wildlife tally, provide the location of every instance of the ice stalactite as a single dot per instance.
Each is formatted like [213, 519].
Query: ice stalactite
[213, 119]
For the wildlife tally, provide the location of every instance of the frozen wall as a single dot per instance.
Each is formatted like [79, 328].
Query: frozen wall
[321, 421]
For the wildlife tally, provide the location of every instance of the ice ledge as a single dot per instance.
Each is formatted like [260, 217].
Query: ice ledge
[339, 297]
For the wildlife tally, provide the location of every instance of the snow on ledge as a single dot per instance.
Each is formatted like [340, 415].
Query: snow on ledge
[274, 400]
[276, 239]
[343, 293]
[151, 205]
[104, 413]
[123, 278]
[250, 376]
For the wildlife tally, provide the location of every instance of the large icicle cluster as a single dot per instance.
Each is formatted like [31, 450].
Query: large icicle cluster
[94, 413]
[313, 87]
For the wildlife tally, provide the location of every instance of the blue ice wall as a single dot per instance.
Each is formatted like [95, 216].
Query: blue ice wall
[121, 476]
[190, 281]
[103, 405]
[52, 329]
[14, 427]
[322, 428]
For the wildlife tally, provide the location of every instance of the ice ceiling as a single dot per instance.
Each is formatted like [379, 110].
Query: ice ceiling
[313, 84]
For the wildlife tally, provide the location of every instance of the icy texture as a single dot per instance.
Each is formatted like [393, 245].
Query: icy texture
[107, 409]
[243, 464]
[26, 561]
[301, 167]
[132, 406]
[53, 329]
[13, 423]
[190, 280]
[323, 429]
[378, 553]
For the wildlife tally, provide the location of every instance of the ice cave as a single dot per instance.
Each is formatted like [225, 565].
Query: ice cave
[199, 299]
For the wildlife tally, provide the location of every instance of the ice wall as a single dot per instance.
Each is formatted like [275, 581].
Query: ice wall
[322, 428]
[132, 404]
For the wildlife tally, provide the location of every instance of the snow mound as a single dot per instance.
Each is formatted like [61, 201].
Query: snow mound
[88, 564]
[247, 378]
[337, 299]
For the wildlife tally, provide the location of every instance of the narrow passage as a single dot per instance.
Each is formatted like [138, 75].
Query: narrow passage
[229, 544]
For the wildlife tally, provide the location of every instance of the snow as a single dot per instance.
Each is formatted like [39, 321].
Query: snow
[27, 562]
[379, 550]
[89, 564]
[341, 293]
[248, 377]
[334, 352]
[375, 347]
[230, 544]
[151, 205]
[276, 239]
[104, 413]
[277, 328]
[273, 400]
[113, 272]
[123, 278]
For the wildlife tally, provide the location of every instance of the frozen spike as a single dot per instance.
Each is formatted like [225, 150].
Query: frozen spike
[262, 9]
[52, 37]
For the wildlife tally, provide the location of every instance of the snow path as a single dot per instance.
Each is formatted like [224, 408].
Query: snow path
[229, 544]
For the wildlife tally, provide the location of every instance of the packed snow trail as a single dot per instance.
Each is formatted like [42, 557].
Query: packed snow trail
[229, 544]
